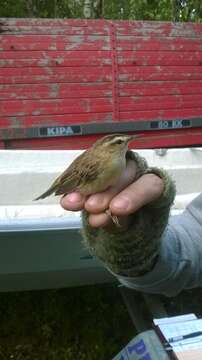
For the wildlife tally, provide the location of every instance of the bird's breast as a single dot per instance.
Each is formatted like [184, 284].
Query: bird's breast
[108, 176]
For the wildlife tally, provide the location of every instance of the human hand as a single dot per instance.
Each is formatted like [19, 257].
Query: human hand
[123, 199]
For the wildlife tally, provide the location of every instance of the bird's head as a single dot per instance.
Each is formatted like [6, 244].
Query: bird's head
[115, 143]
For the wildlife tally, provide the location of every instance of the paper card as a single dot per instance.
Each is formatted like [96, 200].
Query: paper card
[190, 355]
[174, 319]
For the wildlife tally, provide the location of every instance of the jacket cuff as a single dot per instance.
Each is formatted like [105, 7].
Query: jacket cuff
[133, 251]
[169, 192]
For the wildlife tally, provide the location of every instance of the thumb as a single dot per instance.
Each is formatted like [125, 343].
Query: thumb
[141, 192]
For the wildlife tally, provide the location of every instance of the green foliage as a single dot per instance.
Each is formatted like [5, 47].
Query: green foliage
[87, 323]
[12, 8]
[151, 10]
[162, 10]
[116, 9]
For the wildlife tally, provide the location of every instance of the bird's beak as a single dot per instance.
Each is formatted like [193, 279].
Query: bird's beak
[132, 137]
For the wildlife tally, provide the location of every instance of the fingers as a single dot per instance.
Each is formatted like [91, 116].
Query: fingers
[99, 202]
[123, 199]
[146, 189]
[96, 204]
[143, 191]
[73, 202]
[103, 219]
[99, 220]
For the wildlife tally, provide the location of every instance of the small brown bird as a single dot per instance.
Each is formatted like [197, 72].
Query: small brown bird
[96, 169]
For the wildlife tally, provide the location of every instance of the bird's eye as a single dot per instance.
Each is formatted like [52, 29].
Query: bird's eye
[119, 141]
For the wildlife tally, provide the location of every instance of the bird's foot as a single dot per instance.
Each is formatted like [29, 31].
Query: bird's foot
[114, 218]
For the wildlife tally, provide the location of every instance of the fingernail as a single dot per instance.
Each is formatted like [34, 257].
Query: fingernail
[73, 197]
[121, 203]
[95, 201]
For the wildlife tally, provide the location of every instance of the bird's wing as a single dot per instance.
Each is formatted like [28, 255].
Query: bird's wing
[78, 173]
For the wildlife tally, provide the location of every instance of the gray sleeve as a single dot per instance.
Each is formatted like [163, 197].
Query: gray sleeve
[180, 258]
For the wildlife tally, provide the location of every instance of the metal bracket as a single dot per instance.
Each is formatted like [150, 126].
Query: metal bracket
[99, 128]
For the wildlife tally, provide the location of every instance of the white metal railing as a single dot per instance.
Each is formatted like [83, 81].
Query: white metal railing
[26, 174]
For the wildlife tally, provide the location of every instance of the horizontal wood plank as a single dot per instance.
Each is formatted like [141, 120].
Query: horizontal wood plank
[42, 54]
[165, 44]
[53, 59]
[55, 106]
[94, 90]
[159, 73]
[55, 91]
[97, 29]
[160, 114]
[56, 42]
[173, 140]
[52, 22]
[145, 88]
[162, 58]
[59, 74]
[56, 72]
[160, 102]
[51, 120]
[158, 29]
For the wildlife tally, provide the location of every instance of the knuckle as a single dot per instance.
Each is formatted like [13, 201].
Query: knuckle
[156, 182]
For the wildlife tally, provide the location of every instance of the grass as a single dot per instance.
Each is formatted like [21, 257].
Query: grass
[84, 323]
[87, 323]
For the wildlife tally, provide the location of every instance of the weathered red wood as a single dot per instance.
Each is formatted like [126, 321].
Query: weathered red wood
[98, 74]
[53, 22]
[81, 142]
[145, 88]
[158, 44]
[56, 62]
[49, 75]
[55, 42]
[160, 102]
[55, 106]
[187, 138]
[144, 114]
[54, 30]
[50, 120]
[160, 114]
[56, 72]
[75, 90]
[158, 29]
[2, 144]
[163, 58]
[57, 91]
[159, 73]
[98, 58]
[54, 55]
[139, 27]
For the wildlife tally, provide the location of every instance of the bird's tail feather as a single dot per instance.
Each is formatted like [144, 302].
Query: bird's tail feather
[50, 191]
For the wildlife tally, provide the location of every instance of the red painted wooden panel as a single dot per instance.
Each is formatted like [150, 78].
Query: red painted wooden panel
[54, 75]
[158, 44]
[49, 55]
[50, 120]
[55, 42]
[159, 73]
[162, 58]
[145, 88]
[55, 30]
[52, 22]
[54, 106]
[158, 29]
[57, 72]
[55, 91]
[172, 140]
[56, 61]
[160, 102]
